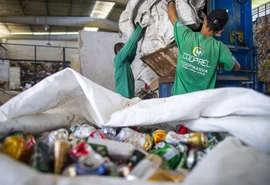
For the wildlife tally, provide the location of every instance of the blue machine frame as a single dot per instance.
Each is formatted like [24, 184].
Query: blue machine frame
[240, 19]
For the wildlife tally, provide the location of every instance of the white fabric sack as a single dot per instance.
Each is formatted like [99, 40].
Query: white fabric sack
[137, 11]
[159, 31]
[153, 14]
[142, 73]
[198, 4]
[242, 112]
[187, 12]
[229, 163]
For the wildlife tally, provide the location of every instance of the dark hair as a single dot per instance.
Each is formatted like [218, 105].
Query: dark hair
[117, 47]
[217, 19]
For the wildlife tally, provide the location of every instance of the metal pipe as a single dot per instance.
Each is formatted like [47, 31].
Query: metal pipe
[38, 45]
[29, 60]
[42, 37]
[62, 21]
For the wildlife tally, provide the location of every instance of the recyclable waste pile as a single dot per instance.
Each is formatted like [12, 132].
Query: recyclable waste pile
[130, 152]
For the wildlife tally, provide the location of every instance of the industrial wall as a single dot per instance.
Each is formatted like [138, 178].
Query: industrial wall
[4, 70]
[96, 57]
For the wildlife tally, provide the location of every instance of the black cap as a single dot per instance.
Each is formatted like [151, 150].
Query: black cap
[218, 17]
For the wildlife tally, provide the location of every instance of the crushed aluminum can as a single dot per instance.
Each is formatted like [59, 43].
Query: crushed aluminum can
[70, 171]
[98, 135]
[148, 142]
[74, 127]
[56, 135]
[117, 150]
[216, 135]
[135, 129]
[181, 147]
[196, 139]
[16, 147]
[75, 142]
[158, 136]
[145, 130]
[139, 140]
[111, 168]
[84, 131]
[211, 144]
[174, 138]
[82, 149]
[213, 139]
[182, 129]
[30, 140]
[71, 137]
[43, 137]
[193, 158]
[183, 162]
[40, 159]
[91, 164]
[62, 134]
[110, 132]
[123, 170]
[168, 153]
[61, 153]
[168, 175]
[146, 168]
[136, 156]
[100, 149]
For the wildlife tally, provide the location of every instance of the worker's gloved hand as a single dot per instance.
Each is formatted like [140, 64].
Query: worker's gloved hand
[167, 1]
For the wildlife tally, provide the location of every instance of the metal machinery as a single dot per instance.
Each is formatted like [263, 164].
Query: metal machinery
[237, 35]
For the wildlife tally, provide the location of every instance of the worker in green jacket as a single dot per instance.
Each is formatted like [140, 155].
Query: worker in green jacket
[125, 55]
[199, 53]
